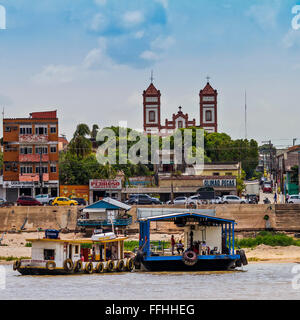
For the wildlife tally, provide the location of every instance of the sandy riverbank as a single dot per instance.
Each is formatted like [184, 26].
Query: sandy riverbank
[14, 245]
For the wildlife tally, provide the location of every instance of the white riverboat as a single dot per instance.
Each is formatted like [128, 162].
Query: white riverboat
[54, 256]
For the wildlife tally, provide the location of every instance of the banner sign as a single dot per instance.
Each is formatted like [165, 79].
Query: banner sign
[226, 183]
[106, 184]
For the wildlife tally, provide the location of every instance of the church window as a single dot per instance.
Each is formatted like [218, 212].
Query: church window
[152, 116]
[208, 115]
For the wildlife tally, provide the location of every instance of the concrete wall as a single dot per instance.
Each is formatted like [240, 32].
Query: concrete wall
[248, 218]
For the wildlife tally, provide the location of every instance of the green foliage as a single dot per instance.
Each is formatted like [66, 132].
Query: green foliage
[131, 245]
[11, 258]
[28, 244]
[267, 238]
[80, 145]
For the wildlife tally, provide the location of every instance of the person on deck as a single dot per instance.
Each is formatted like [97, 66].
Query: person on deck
[173, 244]
[180, 247]
[204, 248]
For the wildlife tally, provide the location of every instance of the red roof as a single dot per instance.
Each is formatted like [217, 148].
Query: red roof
[208, 89]
[44, 115]
[151, 89]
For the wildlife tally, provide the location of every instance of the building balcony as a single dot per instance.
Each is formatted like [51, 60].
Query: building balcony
[33, 138]
[32, 177]
[98, 223]
[33, 158]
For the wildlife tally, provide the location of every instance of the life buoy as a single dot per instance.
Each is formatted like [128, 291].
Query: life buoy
[120, 265]
[89, 267]
[100, 267]
[110, 266]
[50, 265]
[189, 258]
[130, 264]
[78, 266]
[68, 265]
[16, 265]
[243, 257]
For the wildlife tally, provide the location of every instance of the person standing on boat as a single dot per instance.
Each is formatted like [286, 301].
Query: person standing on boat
[180, 247]
[173, 244]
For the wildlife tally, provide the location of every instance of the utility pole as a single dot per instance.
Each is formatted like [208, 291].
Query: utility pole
[41, 173]
[294, 141]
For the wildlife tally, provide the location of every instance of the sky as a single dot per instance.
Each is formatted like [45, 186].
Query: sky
[91, 60]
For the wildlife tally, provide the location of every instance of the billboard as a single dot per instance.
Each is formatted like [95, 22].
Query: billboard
[106, 184]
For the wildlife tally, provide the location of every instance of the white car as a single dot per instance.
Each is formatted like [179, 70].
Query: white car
[194, 201]
[295, 198]
[233, 200]
[178, 200]
[216, 200]
[45, 199]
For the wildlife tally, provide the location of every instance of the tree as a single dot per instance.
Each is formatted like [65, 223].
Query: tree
[80, 145]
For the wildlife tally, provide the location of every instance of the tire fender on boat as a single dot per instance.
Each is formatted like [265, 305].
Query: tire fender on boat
[89, 267]
[78, 266]
[130, 264]
[100, 267]
[68, 265]
[50, 265]
[189, 258]
[16, 265]
[243, 257]
[110, 266]
[120, 265]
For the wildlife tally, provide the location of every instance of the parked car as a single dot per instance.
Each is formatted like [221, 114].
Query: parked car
[233, 200]
[63, 201]
[216, 200]
[28, 201]
[45, 199]
[267, 188]
[193, 201]
[81, 201]
[295, 198]
[178, 200]
[143, 199]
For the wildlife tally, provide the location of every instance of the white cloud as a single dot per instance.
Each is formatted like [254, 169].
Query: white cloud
[55, 74]
[98, 22]
[162, 43]
[132, 18]
[139, 34]
[164, 3]
[150, 55]
[100, 2]
[291, 39]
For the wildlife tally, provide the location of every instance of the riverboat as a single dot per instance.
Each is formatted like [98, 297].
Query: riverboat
[207, 244]
[51, 255]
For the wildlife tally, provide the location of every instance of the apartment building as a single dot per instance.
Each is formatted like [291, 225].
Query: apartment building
[30, 155]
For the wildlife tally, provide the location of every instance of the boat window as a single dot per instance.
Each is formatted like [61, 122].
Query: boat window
[49, 254]
[76, 249]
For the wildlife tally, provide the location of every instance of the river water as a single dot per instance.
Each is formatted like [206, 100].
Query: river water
[255, 281]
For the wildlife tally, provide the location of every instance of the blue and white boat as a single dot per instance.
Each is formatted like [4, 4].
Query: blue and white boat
[208, 242]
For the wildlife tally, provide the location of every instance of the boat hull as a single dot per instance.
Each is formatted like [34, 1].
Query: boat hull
[201, 265]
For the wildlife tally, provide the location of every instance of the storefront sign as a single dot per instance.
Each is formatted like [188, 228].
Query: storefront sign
[139, 182]
[106, 184]
[226, 183]
[18, 184]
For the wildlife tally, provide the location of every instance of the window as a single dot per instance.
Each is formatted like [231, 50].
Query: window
[151, 99]
[53, 168]
[44, 169]
[7, 129]
[180, 124]
[216, 174]
[76, 249]
[25, 150]
[7, 167]
[25, 169]
[208, 98]
[208, 115]
[53, 129]
[43, 150]
[152, 116]
[49, 254]
[41, 129]
[53, 149]
[25, 129]
[228, 173]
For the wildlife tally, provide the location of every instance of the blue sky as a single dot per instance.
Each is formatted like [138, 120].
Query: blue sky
[91, 60]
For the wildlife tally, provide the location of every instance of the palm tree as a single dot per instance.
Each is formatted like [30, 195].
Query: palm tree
[80, 145]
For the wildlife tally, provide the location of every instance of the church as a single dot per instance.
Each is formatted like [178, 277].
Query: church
[208, 115]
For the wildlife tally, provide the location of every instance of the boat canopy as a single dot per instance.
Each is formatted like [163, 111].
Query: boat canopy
[106, 203]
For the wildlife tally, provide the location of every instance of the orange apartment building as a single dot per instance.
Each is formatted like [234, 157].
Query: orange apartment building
[30, 155]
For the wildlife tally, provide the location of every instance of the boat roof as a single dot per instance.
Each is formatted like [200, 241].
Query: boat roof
[74, 241]
[107, 203]
[197, 216]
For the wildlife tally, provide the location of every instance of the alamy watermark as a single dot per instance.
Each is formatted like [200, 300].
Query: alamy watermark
[2, 17]
[185, 146]
[296, 19]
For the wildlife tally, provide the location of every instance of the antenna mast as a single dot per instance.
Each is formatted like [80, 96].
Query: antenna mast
[246, 133]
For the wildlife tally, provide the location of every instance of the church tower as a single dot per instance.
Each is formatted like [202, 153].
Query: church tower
[151, 98]
[209, 108]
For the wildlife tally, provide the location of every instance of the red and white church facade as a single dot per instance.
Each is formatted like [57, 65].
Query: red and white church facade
[152, 112]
